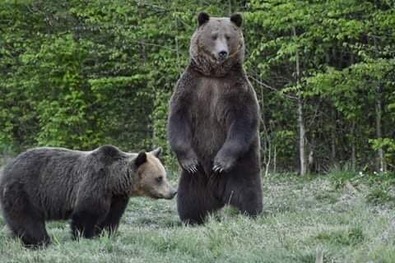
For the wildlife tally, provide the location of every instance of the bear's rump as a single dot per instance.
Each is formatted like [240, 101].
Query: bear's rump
[47, 178]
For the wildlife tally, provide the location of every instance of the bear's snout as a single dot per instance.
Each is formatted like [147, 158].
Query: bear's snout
[221, 50]
[223, 55]
[167, 193]
[173, 192]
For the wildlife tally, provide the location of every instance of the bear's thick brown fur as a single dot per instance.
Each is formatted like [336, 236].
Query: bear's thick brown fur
[213, 125]
[92, 188]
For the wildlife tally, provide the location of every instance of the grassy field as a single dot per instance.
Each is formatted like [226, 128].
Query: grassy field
[335, 218]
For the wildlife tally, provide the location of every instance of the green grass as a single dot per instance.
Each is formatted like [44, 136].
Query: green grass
[341, 218]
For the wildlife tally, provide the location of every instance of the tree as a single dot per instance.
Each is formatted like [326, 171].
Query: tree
[80, 74]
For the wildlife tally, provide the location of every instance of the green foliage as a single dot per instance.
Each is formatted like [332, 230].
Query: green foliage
[340, 177]
[388, 145]
[381, 185]
[80, 74]
[346, 57]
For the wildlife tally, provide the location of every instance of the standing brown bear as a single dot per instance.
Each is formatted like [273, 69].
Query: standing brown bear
[92, 188]
[213, 125]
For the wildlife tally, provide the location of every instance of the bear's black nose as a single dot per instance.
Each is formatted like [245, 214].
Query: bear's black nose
[223, 54]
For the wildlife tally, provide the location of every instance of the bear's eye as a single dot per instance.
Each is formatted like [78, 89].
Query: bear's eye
[159, 179]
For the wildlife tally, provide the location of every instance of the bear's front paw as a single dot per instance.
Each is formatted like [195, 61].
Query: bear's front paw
[222, 164]
[190, 165]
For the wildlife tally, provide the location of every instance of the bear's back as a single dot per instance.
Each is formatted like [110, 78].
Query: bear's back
[42, 172]
[38, 162]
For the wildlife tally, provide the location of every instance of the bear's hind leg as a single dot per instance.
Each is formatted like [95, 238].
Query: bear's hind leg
[23, 219]
[33, 234]
[245, 193]
[195, 198]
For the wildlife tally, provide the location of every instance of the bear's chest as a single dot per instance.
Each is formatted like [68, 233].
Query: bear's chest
[209, 100]
[208, 116]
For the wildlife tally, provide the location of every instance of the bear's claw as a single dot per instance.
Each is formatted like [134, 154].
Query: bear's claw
[191, 166]
[192, 169]
[218, 168]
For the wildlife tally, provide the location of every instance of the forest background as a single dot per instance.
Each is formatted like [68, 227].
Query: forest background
[80, 74]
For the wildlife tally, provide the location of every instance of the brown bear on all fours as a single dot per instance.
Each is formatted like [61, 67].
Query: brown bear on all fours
[213, 125]
[92, 188]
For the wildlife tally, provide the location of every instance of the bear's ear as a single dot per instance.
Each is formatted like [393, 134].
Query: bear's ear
[236, 19]
[140, 159]
[203, 17]
[157, 152]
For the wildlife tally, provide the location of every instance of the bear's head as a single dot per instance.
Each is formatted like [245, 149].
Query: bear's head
[217, 44]
[151, 179]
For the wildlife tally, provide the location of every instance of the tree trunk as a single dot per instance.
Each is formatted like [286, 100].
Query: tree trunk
[379, 111]
[353, 148]
[274, 159]
[266, 147]
[333, 139]
[302, 135]
[302, 130]
[381, 160]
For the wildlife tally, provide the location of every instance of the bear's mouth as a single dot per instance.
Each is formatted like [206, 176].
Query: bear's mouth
[162, 196]
[219, 59]
[215, 58]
